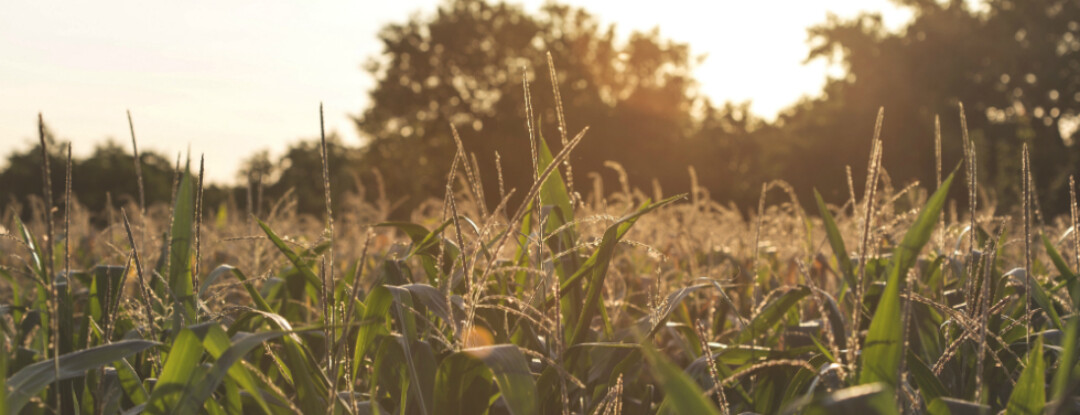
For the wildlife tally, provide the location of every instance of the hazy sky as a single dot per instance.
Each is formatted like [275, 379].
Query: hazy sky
[230, 78]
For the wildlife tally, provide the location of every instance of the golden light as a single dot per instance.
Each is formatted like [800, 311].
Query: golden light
[476, 339]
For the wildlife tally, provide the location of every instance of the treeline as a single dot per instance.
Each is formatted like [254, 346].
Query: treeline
[1014, 65]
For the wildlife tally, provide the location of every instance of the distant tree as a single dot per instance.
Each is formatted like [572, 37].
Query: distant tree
[1013, 64]
[464, 66]
[300, 170]
[111, 169]
[22, 176]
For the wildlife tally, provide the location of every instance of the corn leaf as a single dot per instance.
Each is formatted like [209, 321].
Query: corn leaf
[683, 394]
[883, 347]
[836, 241]
[32, 379]
[1029, 395]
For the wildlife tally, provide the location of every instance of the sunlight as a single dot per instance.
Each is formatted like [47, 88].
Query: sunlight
[243, 76]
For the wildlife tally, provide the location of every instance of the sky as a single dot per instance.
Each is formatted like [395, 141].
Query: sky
[227, 79]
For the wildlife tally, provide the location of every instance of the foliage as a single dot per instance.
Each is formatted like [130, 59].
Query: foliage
[609, 304]
[1010, 64]
[616, 305]
[464, 65]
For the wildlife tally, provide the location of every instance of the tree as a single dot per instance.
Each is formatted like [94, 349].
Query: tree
[300, 171]
[108, 172]
[111, 169]
[464, 66]
[1011, 63]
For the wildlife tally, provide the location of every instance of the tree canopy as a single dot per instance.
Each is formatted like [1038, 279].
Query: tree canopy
[464, 66]
[1013, 64]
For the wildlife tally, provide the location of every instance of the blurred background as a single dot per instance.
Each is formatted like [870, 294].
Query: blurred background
[743, 92]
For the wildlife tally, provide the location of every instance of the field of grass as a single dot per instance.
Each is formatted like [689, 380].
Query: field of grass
[633, 303]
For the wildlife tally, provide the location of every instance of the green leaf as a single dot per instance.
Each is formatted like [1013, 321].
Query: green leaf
[434, 300]
[34, 378]
[511, 373]
[37, 257]
[424, 241]
[950, 406]
[179, 372]
[3, 373]
[406, 369]
[553, 191]
[597, 265]
[1071, 279]
[227, 352]
[1038, 294]
[1029, 395]
[836, 241]
[183, 230]
[372, 323]
[683, 396]
[106, 283]
[929, 385]
[1067, 362]
[463, 385]
[882, 350]
[871, 398]
[130, 382]
[260, 302]
[772, 314]
[309, 381]
[674, 300]
[293, 257]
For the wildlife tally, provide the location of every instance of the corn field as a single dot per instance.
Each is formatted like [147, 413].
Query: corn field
[616, 302]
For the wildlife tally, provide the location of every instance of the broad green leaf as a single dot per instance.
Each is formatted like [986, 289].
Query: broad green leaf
[4, 372]
[871, 398]
[37, 257]
[683, 396]
[310, 382]
[673, 301]
[405, 369]
[951, 406]
[553, 191]
[929, 385]
[180, 250]
[883, 346]
[106, 283]
[1066, 363]
[260, 302]
[1029, 394]
[130, 382]
[511, 373]
[836, 241]
[227, 352]
[595, 268]
[372, 324]
[463, 385]
[799, 383]
[1038, 294]
[1071, 279]
[225, 366]
[32, 379]
[297, 261]
[435, 301]
[426, 245]
[177, 375]
[772, 314]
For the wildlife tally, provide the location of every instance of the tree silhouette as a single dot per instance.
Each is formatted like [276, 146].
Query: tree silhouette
[1012, 63]
[108, 172]
[464, 66]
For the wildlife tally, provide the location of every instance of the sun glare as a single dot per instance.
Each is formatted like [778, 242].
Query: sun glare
[243, 76]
